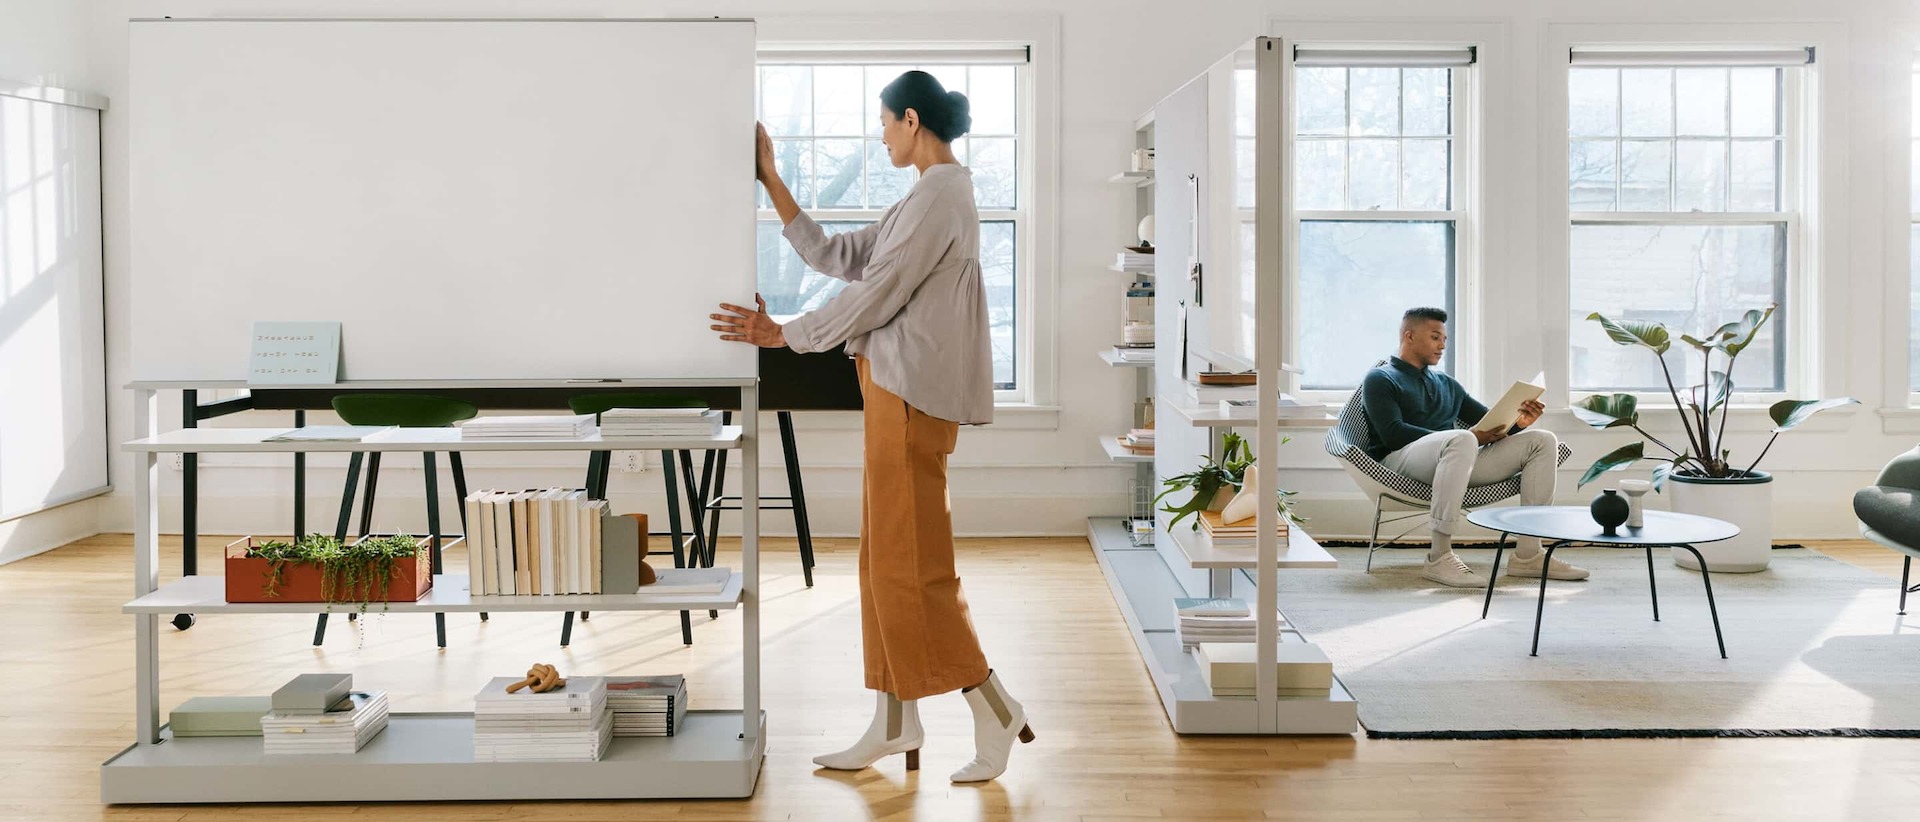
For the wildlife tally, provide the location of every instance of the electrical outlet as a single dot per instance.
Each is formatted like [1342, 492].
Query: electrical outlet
[628, 461]
[178, 461]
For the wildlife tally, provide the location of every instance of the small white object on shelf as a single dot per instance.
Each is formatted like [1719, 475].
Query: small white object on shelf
[557, 427]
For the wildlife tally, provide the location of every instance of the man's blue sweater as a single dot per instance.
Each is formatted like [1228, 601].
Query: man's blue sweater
[1405, 402]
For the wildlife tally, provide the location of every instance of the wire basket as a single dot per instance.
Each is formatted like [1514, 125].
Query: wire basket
[1140, 512]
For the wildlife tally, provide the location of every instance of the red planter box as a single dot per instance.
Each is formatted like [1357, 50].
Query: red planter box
[247, 578]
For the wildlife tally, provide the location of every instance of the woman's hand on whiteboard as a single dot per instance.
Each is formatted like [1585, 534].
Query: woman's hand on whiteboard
[764, 166]
[749, 325]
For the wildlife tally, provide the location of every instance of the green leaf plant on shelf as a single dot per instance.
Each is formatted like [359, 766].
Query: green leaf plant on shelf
[1229, 471]
[1703, 455]
[348, 573]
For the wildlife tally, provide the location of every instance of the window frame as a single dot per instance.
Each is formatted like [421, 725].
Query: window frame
[1463, 313]
[1796, 345]
[1029, 340]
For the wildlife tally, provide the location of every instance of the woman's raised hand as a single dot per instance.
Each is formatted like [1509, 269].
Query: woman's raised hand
[764, 168]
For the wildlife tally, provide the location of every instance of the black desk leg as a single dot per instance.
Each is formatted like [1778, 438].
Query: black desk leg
[1706, 579]
[797, 494]
[673, 529]
[299, 481]
[1540, 608]
[189, 489]
[719, 488]
[1906, 565]
[1499, 548]
[1653, 589]
[703, 551]
[433, 527]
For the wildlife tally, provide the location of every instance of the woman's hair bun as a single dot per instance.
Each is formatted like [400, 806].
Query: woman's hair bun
[945, 113]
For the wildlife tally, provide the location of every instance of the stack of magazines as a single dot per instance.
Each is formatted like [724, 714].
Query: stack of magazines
[342, 729]
[548, 427]
[622, 423]
[647, 705]
[570, 723]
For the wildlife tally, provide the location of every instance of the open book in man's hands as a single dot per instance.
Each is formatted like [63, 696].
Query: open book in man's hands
[1506, 412]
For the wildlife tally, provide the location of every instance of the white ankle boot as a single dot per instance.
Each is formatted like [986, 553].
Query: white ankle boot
[997, 721]
[895, 729]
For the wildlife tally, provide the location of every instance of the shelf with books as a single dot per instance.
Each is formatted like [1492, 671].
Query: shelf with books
[204, 594]
[1144, 589]
[1299, 551]
[1112, 357]
[242, 440]
[1119, 452]
[430, 757]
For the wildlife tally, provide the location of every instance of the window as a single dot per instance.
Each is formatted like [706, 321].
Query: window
[824, 119]
[1913, 244]
[1683, 208]
[1378, 195]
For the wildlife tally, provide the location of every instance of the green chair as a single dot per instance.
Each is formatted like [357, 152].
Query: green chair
[677, 470]
[406, 411]
[1889, 514]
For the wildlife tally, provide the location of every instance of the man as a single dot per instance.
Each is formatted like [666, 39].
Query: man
[1411, 409]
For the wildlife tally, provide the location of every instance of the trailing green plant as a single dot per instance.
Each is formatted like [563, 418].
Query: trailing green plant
[1704, 452]
[1228, 471]
[365, 569]
[277, 553]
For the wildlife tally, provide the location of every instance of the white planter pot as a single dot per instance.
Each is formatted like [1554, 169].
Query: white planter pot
[1745, 502]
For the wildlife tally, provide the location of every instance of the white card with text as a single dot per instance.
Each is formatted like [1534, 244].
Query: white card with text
[294, 353]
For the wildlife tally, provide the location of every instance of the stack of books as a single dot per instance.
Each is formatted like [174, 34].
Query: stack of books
[570, 723]
[1236, 535]
[1215, 620]
[534, 542]
[219, 716]
[342, 729]
[1301, 669]
[1286, 407]
[623, 423]
[1138, 441]
[647, 705]
[1134, 262]
[549, 427]
[1136, 335]
[1136, 353]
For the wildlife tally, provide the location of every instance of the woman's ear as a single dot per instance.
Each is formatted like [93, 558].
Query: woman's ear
[910, 118]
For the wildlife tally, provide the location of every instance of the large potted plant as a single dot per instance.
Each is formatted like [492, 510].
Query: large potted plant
[1706, 479]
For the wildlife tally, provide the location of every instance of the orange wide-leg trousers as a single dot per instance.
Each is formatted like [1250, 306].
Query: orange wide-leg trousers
[914, 628]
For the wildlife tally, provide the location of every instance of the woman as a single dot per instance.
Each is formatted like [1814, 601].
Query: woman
[914, 316]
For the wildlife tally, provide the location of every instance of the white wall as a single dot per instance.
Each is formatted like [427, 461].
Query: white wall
[45, 42]
[1042, 472]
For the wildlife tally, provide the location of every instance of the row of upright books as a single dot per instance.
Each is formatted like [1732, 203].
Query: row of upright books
[534, 542]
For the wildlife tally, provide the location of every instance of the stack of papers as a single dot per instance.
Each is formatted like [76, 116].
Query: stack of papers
[647, 705]
[1216, 620]
[570, 723]
[621, 423]
[564, 427]
[342, 730]
[1133, 353]
[1134, 262]
[1139, 440]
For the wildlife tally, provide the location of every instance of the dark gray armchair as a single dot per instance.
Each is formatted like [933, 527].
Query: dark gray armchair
[1889, 513]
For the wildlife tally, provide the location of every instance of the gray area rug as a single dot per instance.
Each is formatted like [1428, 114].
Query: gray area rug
[1814, 649]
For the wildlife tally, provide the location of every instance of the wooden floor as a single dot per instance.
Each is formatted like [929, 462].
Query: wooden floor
[1050, 627]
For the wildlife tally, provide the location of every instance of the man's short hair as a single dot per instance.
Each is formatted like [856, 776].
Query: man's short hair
[1415, 315]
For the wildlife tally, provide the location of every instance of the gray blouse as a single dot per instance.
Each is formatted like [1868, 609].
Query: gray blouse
[914, 304]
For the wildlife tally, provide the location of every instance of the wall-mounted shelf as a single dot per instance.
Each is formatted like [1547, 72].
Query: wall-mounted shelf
[1119, 453]
[1138, 178]
[1112, 357]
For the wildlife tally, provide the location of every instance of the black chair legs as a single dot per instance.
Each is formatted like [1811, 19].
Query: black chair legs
[372, 460]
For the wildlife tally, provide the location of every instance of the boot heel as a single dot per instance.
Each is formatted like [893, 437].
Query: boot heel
[1026, 733]
[913, 759]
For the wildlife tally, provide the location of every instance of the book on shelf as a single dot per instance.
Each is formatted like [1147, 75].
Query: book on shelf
[219, 716]
[570, 723]
[1300, 668]
[1134, 262]
[1218, 531]
[550, 426]
[647, 705]
[689, 581]
[1135, 354]
[640, 423]
[331, 433]
[536, 542]
[1210, 607]
[1286, 406]
[343, 730]
[311, 693]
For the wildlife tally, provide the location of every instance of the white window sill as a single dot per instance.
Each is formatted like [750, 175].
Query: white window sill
[1900, 420]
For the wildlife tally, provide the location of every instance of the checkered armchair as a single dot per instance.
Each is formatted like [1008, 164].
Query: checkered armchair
[1393, 491]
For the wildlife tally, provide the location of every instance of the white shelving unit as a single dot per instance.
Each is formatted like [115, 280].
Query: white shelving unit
[429, 756]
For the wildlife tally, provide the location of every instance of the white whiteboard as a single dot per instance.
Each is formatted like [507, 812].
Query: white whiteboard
[472, 199]
[53, 369]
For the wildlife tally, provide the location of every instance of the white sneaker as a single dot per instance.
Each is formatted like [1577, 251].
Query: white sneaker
[1450, 571]
[1530, 569]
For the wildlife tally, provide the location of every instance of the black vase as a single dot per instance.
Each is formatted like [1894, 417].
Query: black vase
[1610, 510]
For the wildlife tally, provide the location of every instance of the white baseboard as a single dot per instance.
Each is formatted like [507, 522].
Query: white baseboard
[43, 531]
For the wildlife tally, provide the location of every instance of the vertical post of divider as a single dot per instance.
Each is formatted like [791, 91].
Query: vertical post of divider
[146, 571]
[1273, 197]
[750, 559]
